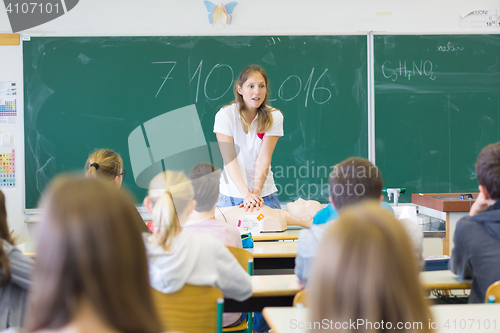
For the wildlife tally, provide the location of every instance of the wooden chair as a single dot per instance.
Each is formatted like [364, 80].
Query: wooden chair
[493, 289]
[301, 298]
[192, 309]
[245, 259]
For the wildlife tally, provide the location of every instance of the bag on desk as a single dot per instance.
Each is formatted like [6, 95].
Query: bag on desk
[247, 241]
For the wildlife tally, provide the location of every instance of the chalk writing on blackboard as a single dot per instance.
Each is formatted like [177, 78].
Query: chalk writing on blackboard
[166, 77]
[293, 84]
[422, 68]
[450, 48]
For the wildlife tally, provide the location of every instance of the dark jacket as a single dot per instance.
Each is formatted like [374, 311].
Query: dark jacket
[476, 253]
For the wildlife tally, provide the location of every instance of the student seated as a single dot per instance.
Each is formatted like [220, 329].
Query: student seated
[15, 277]
[91, 267]
[476, 254]
[177, 256]
[351, 182]
[366, 273]
[205, 180]
[108, 165]
[299, 213]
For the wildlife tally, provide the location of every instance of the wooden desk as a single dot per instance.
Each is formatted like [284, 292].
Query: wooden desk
[443, 280]
[289, 234]
[279, 290]
[447, 318]
[268, 290]
[446, 207]
[283, 320]
[461, 318]
[274, 255]
[274, 249]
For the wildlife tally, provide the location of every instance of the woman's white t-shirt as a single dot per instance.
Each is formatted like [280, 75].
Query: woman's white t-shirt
[228, 122]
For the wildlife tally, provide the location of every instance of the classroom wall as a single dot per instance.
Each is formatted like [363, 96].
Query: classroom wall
[250, 17]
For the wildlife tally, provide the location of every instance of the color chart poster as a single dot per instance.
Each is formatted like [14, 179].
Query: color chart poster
[7, 167]
[8, 103]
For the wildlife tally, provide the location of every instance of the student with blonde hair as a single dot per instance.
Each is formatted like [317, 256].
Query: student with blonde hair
[15, 276]
[91, 268]
[366, 270]
[178, 257]
[108, 165]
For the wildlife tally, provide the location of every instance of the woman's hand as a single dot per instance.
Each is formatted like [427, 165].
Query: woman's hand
[252, 200]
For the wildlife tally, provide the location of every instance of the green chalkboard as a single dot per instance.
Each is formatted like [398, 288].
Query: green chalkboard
[437, 104]
[82, 93]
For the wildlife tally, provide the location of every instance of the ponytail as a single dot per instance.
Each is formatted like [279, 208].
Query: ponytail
[104, 163]
[170, 193]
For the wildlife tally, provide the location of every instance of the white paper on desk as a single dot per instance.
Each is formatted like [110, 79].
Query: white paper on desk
[249, 224]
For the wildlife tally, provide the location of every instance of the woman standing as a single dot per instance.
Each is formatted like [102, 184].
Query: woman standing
[247, 131]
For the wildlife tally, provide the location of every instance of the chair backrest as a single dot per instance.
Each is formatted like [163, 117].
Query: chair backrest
[301, 298]
[192, 309]
[493, 289]
[243, 256]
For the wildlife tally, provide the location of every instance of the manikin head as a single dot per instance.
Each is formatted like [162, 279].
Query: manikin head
[303, 210]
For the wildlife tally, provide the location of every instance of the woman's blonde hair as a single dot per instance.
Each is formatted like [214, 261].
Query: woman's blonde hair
[366, 269]
[90, 248]
[104, 163]
[170, 193]
[265, 119]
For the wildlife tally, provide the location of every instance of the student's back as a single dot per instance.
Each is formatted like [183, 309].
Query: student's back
[352, 181]
[177, 257]
[15, 277]
[91, 267]
[205, 180]
[365, 271]
[225, 233]
[476, 253]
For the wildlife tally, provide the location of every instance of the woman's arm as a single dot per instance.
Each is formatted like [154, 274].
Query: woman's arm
[226, 145]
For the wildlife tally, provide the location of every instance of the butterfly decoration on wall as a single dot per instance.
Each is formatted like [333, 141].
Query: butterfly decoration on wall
[220, 13]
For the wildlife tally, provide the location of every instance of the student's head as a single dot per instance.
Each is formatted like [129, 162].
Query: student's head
[303, 210]
[488, 170]
[366, 269]
[106, 164]
[354, 180]
[205, 179]
[90, 251]
[251, 91]
[5, 272]
[170, 201]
